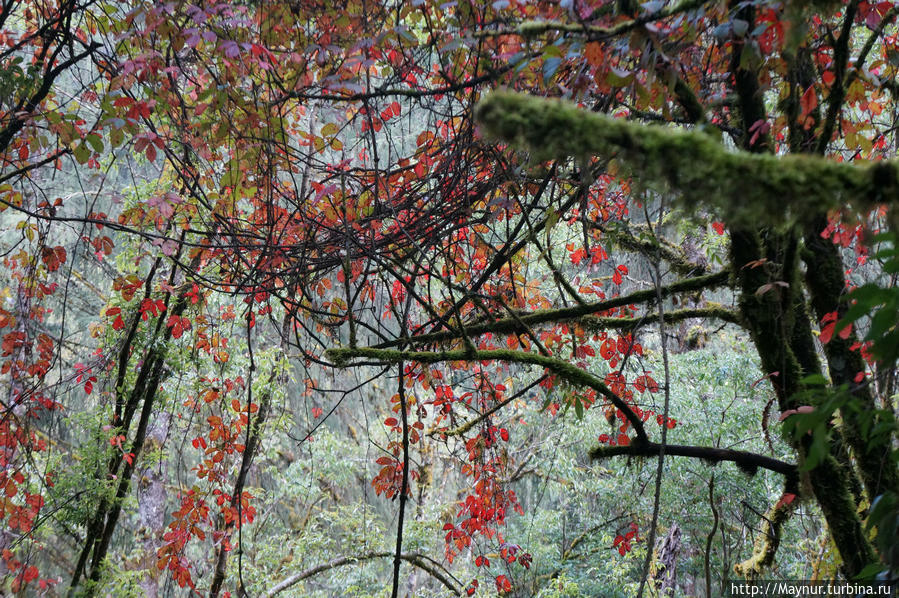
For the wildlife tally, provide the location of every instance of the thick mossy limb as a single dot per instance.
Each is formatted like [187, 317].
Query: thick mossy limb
[594, 323]
[744, 187]
[767, 542]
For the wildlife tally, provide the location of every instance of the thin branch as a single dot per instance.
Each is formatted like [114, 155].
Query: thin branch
[414, 559]
[567, 314]
[404, 488]
[653, 526]
[462, 429]
[709, 539]
[394, 92]
[592, 32]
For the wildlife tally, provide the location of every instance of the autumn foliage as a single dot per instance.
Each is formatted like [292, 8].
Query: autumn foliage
[215, 212]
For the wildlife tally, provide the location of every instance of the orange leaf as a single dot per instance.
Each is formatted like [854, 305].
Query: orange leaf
[808, 102]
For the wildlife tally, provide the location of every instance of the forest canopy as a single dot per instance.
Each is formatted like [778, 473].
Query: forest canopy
[469, 298]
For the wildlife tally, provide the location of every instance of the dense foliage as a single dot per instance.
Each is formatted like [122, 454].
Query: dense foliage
[557, 298]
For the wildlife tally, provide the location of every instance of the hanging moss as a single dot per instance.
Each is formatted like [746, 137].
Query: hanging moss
[743, 187]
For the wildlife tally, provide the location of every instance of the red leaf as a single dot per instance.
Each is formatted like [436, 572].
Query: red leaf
[53, 257]
[808, 102]
[177, 324]
[607, 350]
[786, 499]
[503, 584]
[577, 256]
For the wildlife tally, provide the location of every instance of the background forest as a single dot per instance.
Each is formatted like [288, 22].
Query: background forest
[437, 298]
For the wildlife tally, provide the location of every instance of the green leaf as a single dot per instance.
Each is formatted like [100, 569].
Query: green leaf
[550, 66]
[232, 175]
[95, 142]
[818, 449]
[82, 154]
[552, 217]
[619, 77]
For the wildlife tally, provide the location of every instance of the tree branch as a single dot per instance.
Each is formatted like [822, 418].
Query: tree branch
[394, 92]
[838, 90]
[752, 188]
[592, 32]
[562, 368]
[415, 559]
[747, 462]
[463, 428]
[768, 540]
[717, 312]
[568, 314]
[641, 241]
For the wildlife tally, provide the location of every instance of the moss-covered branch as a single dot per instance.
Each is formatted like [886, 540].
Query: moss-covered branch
[569, 314]
[751, 188]
[640, 239]
[535, 28]
[715, 312]
[768, 540]
[746, 461]
[838, 89]
[568, 372]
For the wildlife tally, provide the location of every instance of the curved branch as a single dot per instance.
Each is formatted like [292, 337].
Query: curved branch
[768, 540]
[746, 461]
[565, 370]
[414, 559]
